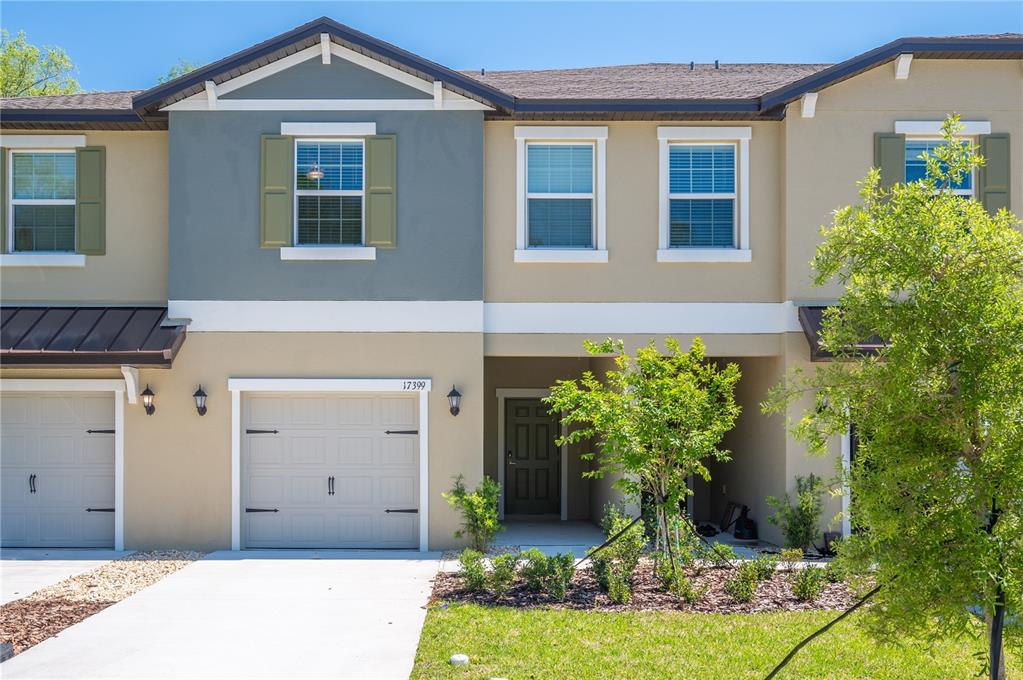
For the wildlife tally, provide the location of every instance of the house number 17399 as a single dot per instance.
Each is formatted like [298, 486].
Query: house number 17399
[413, 385]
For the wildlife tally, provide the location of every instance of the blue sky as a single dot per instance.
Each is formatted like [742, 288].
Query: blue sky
[127, 45]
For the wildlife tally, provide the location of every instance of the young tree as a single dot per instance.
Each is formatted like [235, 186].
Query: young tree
[655, 420]
[27, 70]
[937, 481]
[177, 70]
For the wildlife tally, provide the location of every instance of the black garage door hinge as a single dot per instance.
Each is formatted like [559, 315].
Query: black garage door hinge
[247, 431]
[99, 509]
[100, 431]
[261, 510]
[401, 431]
[414, 511]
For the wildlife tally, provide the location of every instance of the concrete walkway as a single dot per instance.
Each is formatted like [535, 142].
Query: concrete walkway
[253, 614]
[25, 570]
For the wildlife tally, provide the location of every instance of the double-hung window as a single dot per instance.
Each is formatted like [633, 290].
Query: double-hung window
[561, 206]
[916, 166]
[329, 192]
[42, 204]
[704, 195]
[926, 136]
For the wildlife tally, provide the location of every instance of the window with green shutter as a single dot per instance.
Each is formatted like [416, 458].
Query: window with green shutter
[329, 192]
[42, 201]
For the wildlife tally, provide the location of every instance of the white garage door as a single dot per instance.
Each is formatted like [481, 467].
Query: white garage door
[57, 469]
[330, 470]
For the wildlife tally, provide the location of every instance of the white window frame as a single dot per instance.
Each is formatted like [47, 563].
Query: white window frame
[348, 133]
[11, 202]
[690, 136]
[567, 135]
[972, 191]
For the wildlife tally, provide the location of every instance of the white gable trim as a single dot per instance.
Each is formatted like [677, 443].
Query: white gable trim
[451, 101]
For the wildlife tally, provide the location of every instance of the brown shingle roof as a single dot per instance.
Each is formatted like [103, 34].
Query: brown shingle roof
[104, 101]
[649, 81]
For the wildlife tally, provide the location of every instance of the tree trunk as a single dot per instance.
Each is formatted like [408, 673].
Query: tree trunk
[996, 652]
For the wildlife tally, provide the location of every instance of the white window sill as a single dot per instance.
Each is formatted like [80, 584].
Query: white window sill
[42, 260]
[704, 255]
[566, 256]
[314, 253]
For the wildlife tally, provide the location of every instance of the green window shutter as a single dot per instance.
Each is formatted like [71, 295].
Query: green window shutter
[91, 200]
[277, 165]
[994, 174]
[3, 200]
[381, 191]
[890, 157]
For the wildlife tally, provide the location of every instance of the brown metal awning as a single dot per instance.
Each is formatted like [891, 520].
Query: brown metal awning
[811, 318]
[88, 336]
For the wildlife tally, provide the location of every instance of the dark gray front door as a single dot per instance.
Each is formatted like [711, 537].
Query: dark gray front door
[532, 459]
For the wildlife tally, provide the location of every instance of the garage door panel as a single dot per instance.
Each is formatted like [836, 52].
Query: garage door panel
[308, 450]
[15, 410]
[45, 435]
[57, 449]
[323, 436]
[265, 450]
[354, 450]
[16, 449]
[399, 451]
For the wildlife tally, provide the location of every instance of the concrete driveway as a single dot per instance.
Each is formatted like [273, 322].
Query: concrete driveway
[254, 614]
[26, 570]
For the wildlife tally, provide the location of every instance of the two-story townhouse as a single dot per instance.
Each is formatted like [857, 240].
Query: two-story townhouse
[238, 307]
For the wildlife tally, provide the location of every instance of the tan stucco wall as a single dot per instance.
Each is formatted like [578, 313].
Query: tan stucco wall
[632, 272]
[178, 465]
[534, 373]
[827, 154]
[571, 344]
[134, 269]
[757, 443]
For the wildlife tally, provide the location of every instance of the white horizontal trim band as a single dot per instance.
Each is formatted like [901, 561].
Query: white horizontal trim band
[602, 318]
[704, 255]
[933, 127]
[365, 316]
[327, 105]
[330, 129]
[42, 141]
[42, 259]
[555, 255]
[410, 384]
[62, 385]
[640, 317]
[681, 133]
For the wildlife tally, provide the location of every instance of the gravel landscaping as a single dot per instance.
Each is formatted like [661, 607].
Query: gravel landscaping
[46, 612]
[584, 593]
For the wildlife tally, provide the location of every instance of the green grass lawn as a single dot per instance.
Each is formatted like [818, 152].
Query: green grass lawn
[550, 643]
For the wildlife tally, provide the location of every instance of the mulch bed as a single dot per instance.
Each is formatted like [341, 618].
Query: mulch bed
[584, 593]
[48, 611]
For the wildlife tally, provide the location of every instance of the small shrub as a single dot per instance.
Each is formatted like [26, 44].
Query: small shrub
[548, 575]
[765, 566]
[618, 560]
[799, 522]
[675, 581]
[790, 556]
[741, 586]
[473, 571]
[619, 589]
[479, 511]
[835, 572]
[807, 583]
[502, 573]
[721, 553]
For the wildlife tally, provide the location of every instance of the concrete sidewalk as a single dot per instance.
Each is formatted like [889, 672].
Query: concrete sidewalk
[25, 570]
[254, 614]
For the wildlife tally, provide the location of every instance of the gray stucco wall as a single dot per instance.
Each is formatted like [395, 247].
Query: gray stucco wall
[214, 201]
[312, 79]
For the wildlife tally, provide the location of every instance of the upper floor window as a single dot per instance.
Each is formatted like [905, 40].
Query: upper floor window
[704, 194]
[916, 166]
[329, 193]
[42, 206]
[702, 205]
[560, 216]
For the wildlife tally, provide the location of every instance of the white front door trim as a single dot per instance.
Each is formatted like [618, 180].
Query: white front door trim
[504, 393]
[407, 385]
[89, 385]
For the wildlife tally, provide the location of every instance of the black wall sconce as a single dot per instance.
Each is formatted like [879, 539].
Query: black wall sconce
[147, 401]
[454, 401]
[200, 401]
